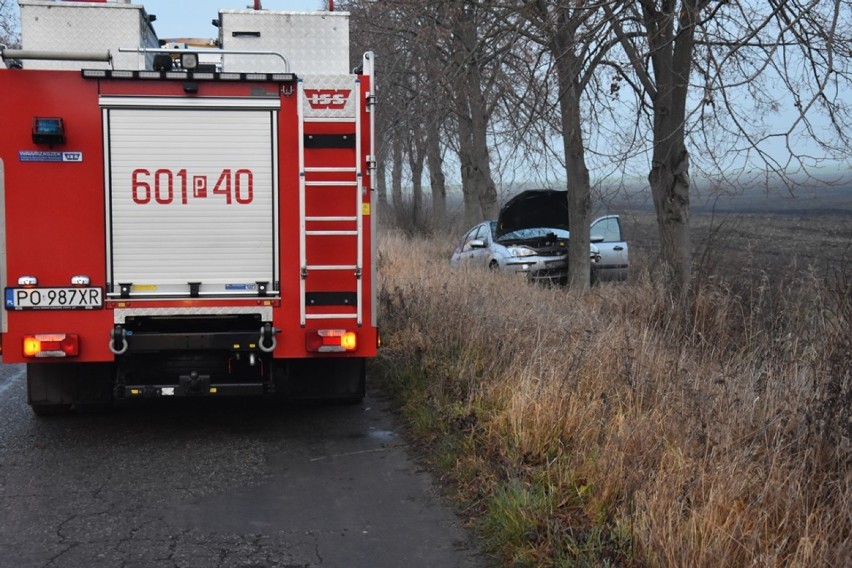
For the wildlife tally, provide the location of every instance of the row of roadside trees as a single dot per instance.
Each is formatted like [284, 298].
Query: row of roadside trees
[557, 89]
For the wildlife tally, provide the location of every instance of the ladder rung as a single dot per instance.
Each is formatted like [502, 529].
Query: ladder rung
[330, 316]
[331, 233]
[331, 267]
[315, 119]
[332, 183]
[353, 218]
[346, 169]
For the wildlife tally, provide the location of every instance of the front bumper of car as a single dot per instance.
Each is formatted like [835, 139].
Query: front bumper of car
[543, 268]
[540, 268]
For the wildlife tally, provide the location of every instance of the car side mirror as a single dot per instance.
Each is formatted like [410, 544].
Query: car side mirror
[477, 244]
[596, 239]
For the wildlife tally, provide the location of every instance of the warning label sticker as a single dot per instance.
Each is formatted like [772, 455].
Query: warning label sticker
[49, 156]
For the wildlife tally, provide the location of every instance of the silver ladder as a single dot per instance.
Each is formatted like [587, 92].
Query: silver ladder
[308, 184]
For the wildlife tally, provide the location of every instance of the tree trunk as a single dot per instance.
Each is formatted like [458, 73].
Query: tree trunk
[415, 163]
[466, 166]
[381, 184]
[669, 179]
[481, 158]
[669, 176]
[396, 177]
[577, 174]
[437, 180]
[472, 112]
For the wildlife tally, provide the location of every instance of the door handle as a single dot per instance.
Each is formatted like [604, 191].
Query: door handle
[617, 248]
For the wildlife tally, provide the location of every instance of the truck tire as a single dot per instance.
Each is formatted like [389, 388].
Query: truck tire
[47, 392]
[354, 379]
[53, 388]
[44, 409]
[339, 380]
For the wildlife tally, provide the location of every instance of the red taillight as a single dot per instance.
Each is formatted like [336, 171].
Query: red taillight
[51, 345]
[331, 340]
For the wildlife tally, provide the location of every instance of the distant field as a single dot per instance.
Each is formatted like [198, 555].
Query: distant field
[756, 232]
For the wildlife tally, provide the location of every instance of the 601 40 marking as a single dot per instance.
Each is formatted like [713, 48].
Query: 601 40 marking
[236, 186]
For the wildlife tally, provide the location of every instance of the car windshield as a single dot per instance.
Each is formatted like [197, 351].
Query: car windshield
[533, 233]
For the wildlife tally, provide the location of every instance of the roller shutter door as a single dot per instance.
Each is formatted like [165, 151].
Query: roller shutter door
[192, 197]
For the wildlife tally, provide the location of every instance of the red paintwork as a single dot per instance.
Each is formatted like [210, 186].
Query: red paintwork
[55, 212]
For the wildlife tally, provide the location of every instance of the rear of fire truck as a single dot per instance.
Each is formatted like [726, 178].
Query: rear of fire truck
[189, 222]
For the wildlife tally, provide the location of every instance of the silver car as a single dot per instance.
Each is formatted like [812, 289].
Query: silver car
[531, 237]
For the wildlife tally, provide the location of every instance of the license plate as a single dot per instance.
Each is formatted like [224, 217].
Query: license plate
[54, 298]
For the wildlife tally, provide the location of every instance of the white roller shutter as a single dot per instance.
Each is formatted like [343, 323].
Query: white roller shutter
[191, 196]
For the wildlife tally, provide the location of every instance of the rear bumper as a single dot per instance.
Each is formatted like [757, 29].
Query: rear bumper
[192, 388]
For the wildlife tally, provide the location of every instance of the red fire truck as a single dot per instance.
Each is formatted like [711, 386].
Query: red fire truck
[182, 222]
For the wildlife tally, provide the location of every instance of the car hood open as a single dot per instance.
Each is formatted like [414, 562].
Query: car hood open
[533, 208]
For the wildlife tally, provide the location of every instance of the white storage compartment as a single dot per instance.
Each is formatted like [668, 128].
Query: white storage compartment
[86, 27]
[191, 195]
[312, 42]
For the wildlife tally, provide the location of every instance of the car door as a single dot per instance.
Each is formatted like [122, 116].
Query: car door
[471, 247]
[613, 248]
[480, 251]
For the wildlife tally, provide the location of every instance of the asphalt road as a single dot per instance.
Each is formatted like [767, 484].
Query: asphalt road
[217, 484]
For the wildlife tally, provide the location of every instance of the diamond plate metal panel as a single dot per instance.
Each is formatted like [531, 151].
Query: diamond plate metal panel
[312, 42]
[329, 96]
[84, 26]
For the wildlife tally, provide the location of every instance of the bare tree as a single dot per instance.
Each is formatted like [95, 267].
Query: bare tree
[568, 43]
[672, 86]
[558, 27]
[445, 87]
[774, 80]
[396, 172]
[10, 35]
[437, 179]
[749, 57]
[469, 59]
[416, 157]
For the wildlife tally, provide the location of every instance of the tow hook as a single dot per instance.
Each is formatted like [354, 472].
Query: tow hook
[267, 341]
[118, 340]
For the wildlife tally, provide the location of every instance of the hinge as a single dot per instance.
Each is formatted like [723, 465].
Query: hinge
[358, 273]
[371, 101]
[304, 272]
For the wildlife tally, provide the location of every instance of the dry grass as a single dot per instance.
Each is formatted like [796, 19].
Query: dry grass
[598, 430]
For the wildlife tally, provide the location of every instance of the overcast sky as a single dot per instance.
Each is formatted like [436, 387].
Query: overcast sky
[191, 18]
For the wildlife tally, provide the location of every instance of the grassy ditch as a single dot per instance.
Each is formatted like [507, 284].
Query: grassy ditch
[596, 430]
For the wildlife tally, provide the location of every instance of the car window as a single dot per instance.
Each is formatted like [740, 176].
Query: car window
[609, 228]
[482, 233]
[471, 235]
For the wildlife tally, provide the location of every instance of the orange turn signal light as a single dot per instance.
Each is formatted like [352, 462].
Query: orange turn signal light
[51, 345]
[331, 340]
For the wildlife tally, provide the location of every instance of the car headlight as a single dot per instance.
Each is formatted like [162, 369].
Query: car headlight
[522, 251]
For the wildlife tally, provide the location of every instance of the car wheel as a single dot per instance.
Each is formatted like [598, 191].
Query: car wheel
[493, 265]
